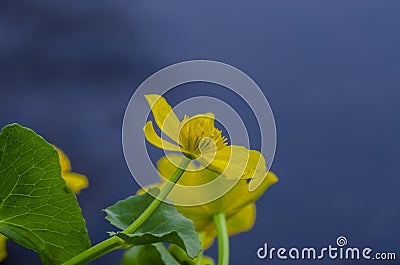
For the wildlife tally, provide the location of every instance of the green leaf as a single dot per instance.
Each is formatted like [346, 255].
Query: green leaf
[155, 254]
[166, 224]
[37, 209]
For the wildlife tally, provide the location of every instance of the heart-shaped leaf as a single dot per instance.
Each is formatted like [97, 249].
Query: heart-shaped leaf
[166, 224]
[37, 209]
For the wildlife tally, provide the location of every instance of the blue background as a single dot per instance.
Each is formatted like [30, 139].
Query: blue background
[330, 70]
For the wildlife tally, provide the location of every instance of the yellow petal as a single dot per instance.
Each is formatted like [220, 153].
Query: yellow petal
[197, 186]
[3, 250]
[256, 165]
[205, 260]
[207, 237]
[243, 220]
[240, 196]
[238, 162]
[233, 161]
[208, 115]
[257, 169]
[240, 222]
[156, 140]
[255, 182]
[192, 176]
[64, 161]
[231, 203]
[164, 116]
[75, 182]
[268, 181]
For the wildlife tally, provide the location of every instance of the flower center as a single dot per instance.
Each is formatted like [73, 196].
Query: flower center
[198, 135]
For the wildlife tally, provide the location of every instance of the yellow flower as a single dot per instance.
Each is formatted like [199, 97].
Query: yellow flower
[74, 181]
[238, 203]
[205, 260]
[198, 138]
[3, 252]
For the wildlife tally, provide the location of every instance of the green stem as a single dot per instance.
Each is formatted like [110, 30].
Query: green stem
[115, 242]
[96, 251]
[223, 238]
[160, 198]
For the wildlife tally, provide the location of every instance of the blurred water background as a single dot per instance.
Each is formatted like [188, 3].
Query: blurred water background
[330, 70]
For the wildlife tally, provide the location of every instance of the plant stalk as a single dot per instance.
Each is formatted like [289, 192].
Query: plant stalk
[115, 242]
[223, 238]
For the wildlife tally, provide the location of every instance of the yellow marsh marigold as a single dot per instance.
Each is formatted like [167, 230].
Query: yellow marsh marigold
[74, 181]
[238, 203]
[3, 252]
[197, 138]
